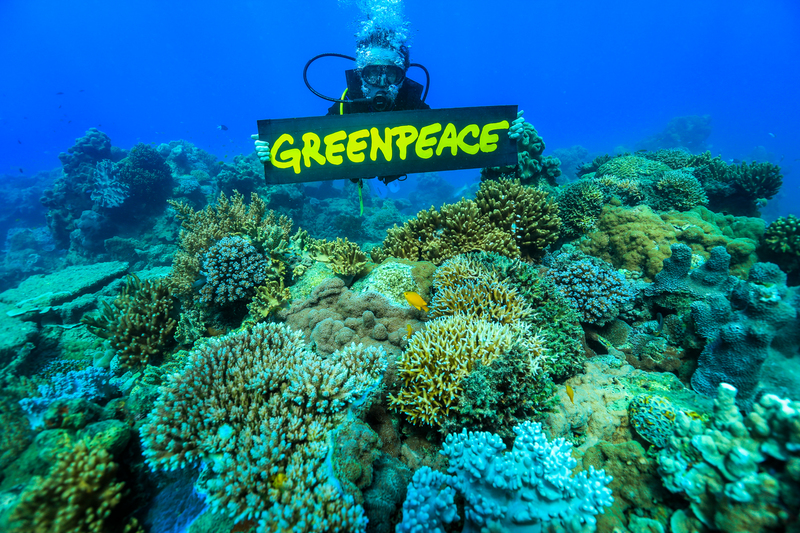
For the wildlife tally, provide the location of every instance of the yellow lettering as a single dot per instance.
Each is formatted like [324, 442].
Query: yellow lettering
[448, 140]
[489, 140]
[311, 146]
[288, 158]
[333, 146]
[405, 136]
[355, 145]
[384, 145]
[473, 130]
[423, 142]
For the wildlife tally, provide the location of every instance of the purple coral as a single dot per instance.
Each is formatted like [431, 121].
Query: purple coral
[233, 269]
[598, 294]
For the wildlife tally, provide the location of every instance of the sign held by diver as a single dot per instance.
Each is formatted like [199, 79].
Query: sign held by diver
[366, 145]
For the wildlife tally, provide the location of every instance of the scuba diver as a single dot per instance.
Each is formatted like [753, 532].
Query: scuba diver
[378, 83]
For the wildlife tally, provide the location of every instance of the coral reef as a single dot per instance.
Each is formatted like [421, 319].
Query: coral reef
[232, 268]
[506, 218]
[591, 286]
[80, 493]
[257, 409]
[630, 167]
[201, 230]
[678, 190]
[439, 357]
[527, 488]
[146, 176]
[532, 168]
[782, 244]
[681, 132]
[138, 324]
[579, 207]
[739, 474]
[343, 256]
[334, 316]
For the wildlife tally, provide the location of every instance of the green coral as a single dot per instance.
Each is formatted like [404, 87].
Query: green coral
[532, 169]
[579, 206]
[759, 181]
[782, 243]
[679, 190]
[631, 167]
[674, 158]
[139, 323]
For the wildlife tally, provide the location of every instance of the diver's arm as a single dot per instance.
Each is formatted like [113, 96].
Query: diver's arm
[262, 148]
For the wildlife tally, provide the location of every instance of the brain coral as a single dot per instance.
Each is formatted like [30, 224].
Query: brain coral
[257, 409]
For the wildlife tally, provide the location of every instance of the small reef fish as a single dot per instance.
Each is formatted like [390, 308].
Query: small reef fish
[222, 127]
[416, 300]
[570, 393]
[410, 330]
[771, 135]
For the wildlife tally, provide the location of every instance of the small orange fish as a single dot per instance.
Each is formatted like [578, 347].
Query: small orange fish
[416, 300]
[410, 330]
[570, 393]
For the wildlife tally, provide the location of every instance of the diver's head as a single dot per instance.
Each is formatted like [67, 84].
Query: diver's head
[382, 61]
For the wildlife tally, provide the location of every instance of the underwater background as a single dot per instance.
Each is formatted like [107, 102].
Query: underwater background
[604, 337]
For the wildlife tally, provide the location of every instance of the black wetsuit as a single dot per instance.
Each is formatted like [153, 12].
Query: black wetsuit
[408, 97]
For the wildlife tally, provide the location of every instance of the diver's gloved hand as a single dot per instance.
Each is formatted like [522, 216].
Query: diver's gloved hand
[262, 148]
[515, 131]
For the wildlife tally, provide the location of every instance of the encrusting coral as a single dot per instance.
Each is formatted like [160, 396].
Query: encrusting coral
[506, 218]
[138, 324]
[739, 474]
[80, 494]
[256, 408]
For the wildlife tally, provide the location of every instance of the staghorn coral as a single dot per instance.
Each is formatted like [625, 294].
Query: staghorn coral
[439, 357]
[759, 181]
[233, 269]
[201, 230]
[482, 297]
[343, 257]
[138, 323]
[80, 494]
[258, 409]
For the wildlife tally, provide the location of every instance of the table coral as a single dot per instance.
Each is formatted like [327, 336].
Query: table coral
[257, 409]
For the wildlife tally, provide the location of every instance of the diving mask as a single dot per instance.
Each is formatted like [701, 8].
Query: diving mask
[382, 75]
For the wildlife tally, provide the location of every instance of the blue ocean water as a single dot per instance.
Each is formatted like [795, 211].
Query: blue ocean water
[601, 75]
[608, 77]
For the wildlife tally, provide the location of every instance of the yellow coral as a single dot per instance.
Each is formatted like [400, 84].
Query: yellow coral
[79, 495]
[439, 357]
[343, 257]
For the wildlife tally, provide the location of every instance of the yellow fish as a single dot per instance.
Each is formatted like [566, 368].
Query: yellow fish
[410, 330]
[416, 300]
[570, 393]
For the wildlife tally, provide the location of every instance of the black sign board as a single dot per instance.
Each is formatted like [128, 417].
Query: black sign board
[365, 145]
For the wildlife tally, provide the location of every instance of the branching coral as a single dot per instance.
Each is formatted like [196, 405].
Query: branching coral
[138, 324]
[782, 241]
[579, 206]
[201, 230]
[257, 409]
[233, 269]
[506, 218]
[679, 190]
[759, 181]
[343, 257]
[79, 495]
[439, 357]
